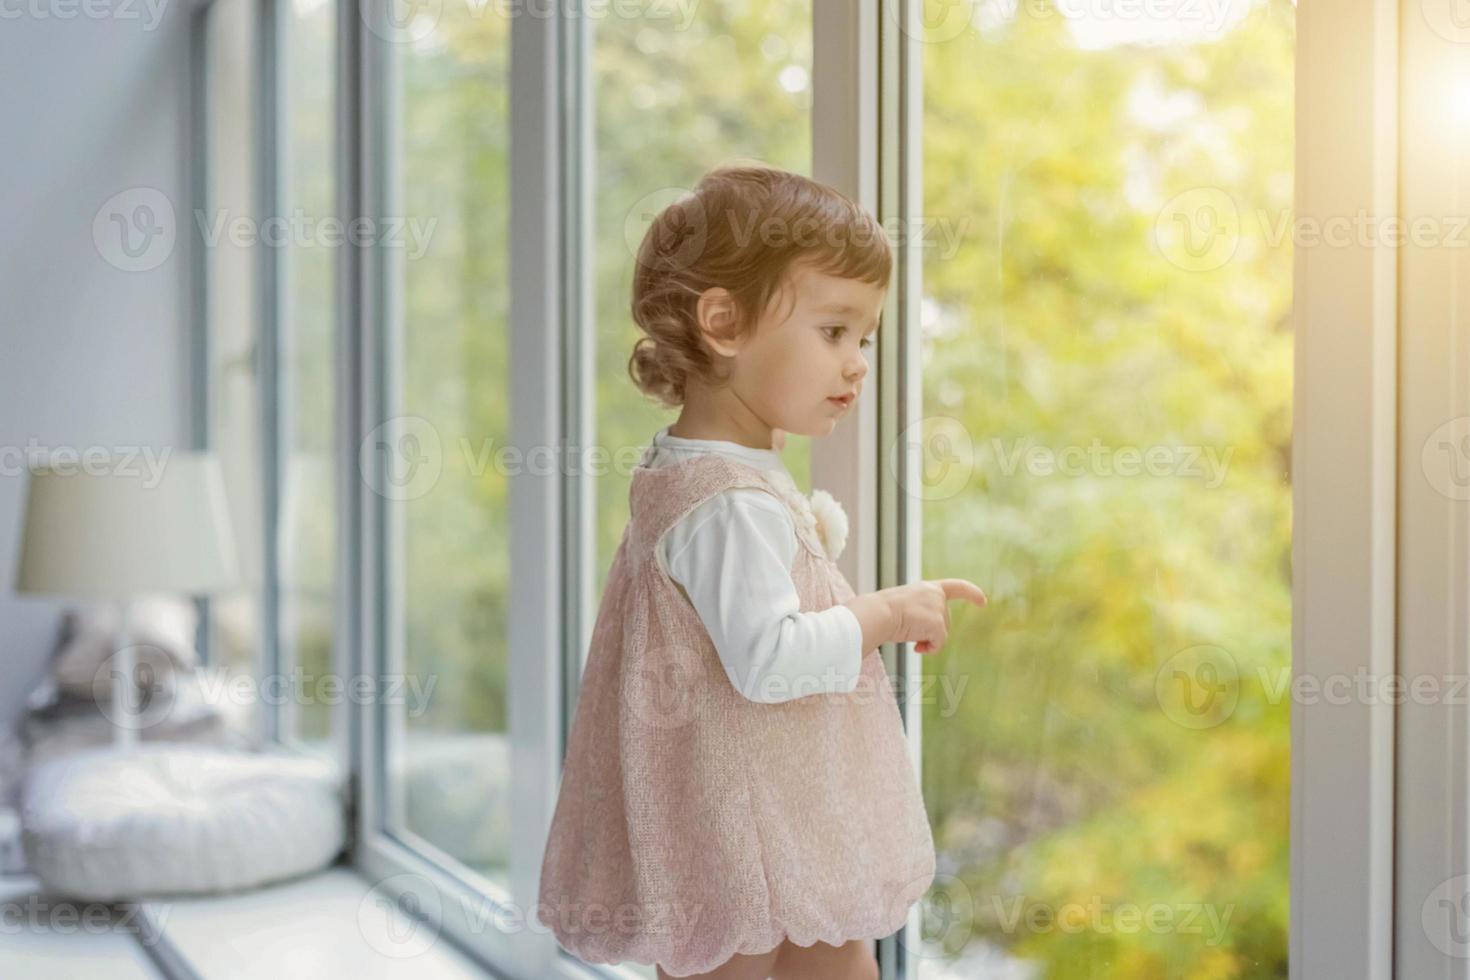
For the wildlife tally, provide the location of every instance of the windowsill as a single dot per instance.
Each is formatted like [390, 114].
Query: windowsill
[328, 924]
[47, 937]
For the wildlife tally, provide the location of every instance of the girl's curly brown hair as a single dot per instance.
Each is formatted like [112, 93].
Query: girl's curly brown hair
[742, 228]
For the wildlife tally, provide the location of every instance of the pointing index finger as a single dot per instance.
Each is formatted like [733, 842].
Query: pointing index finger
[958, 588]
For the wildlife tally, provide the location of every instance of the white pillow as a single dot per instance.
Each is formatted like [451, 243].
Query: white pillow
[174, 819]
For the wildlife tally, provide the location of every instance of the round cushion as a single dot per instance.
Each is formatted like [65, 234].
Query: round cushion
[174, 819]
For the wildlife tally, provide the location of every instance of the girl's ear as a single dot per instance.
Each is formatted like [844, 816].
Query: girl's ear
[719, 320]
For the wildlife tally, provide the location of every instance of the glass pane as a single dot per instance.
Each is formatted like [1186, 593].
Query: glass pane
[674, 99]
[232, 319]
[1106, 357]
[307, 390]
[448, 739]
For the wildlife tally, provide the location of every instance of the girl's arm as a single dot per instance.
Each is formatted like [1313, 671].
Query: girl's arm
[733, 557]
[875, 615]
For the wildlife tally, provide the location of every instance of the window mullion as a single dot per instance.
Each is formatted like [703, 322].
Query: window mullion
[1343, 524]
[536, 496]
[1433, 784]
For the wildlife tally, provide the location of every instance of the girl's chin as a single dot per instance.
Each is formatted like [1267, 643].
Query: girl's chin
[805, 431]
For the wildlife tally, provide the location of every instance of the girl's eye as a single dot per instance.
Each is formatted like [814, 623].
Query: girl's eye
[836, 331]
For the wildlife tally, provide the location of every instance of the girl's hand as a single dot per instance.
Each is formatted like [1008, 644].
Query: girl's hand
[928, 613]
[918, 612]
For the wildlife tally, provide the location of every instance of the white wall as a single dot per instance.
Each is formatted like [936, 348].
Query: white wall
[90, 354]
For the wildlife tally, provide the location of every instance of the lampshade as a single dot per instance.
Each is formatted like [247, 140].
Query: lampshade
[118, 529]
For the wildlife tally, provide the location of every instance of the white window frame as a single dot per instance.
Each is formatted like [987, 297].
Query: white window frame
[1343, 494]
[1433, 314]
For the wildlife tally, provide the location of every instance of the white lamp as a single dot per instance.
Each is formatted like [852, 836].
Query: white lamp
[115, 529]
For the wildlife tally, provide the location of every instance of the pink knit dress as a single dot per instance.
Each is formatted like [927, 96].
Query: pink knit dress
[694, 823]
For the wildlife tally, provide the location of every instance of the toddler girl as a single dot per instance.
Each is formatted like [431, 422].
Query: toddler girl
[737, 799]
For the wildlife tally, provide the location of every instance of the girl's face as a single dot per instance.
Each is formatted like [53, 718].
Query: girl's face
[809, 349]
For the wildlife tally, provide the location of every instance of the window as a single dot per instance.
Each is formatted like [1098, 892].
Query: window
[1106, 420]
[231, 389]
[673, 98]
[267, 230]
[1093, 340]
[446, 364]
[306, 369]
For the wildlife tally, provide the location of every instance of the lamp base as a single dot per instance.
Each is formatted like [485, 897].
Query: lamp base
[125, 688]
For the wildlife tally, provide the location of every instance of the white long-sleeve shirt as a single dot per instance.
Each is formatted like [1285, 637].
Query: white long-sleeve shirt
[733, 555]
